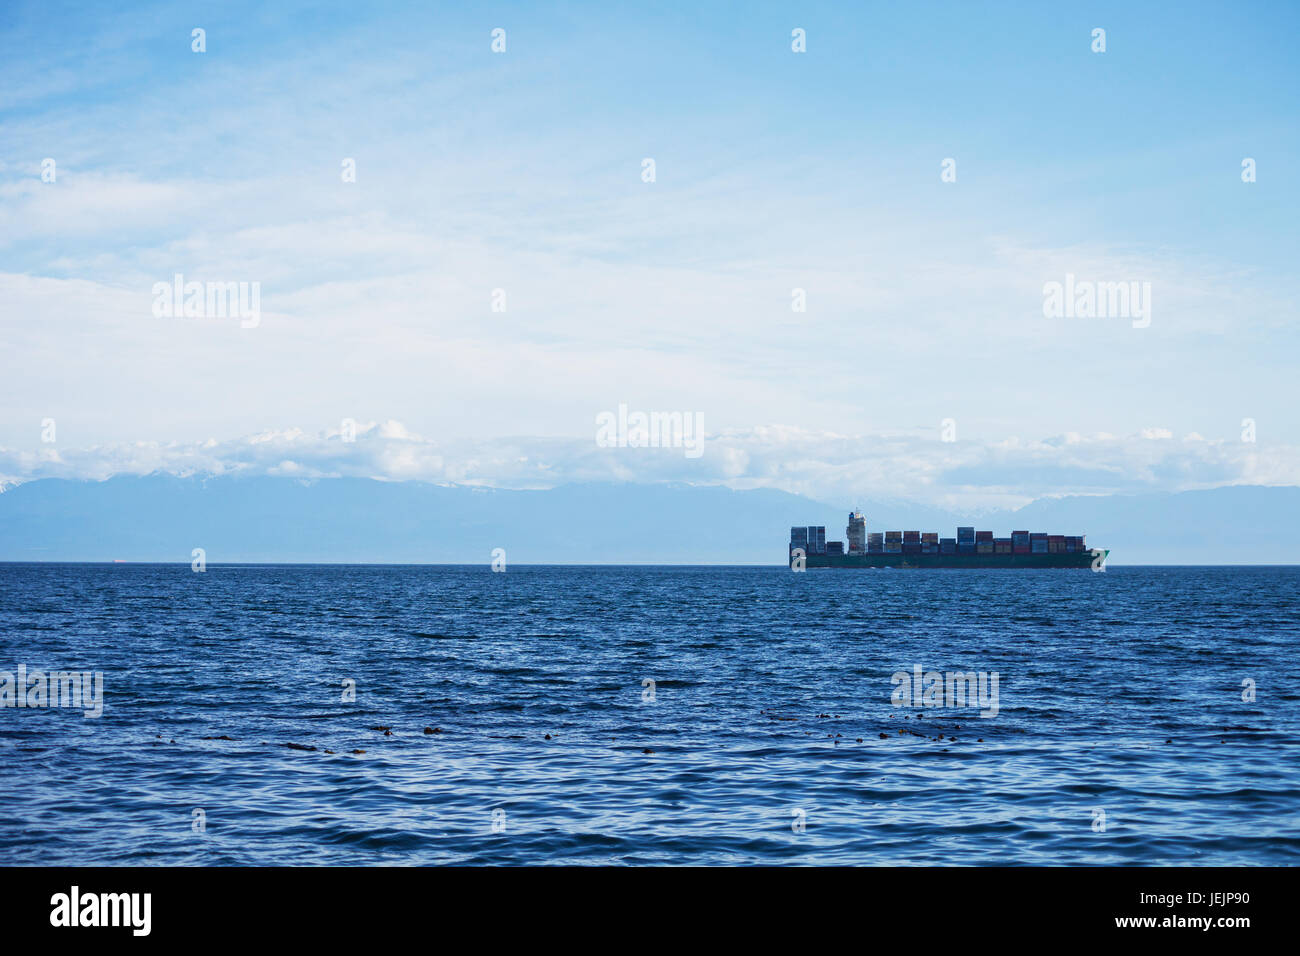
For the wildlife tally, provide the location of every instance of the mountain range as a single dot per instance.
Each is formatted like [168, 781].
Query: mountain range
[356, 520]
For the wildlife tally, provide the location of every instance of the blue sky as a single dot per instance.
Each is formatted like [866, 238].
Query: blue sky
[775, 170]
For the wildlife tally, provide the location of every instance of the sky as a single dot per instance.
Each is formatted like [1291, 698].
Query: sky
[923, 366]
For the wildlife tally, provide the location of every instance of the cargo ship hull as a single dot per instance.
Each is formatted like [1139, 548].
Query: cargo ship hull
[1073, 559]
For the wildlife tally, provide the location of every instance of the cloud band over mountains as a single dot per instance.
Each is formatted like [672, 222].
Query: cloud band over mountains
[821, 465]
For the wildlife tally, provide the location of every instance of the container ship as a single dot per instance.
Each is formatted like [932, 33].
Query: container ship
[925, 549]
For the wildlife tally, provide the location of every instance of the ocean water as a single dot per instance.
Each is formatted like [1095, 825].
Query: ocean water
[769, 736]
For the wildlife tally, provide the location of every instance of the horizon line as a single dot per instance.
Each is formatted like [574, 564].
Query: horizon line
[522, 564]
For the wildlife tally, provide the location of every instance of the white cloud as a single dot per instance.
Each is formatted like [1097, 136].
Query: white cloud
[821, 465]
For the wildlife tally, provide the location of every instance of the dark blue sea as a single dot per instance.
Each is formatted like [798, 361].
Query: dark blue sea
[769, 735]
